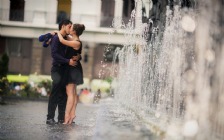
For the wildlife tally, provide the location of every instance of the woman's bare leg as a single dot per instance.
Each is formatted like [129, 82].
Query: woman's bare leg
[70, 102]
[73, 111]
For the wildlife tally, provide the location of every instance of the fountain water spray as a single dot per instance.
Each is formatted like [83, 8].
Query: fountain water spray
[171, 78]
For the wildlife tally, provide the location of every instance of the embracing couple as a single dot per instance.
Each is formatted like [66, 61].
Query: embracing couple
[66, 71]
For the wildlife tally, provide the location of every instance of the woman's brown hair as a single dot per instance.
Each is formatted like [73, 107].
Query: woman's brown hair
[78, 28]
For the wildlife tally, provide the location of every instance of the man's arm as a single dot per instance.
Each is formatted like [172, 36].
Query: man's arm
[42, 38]
[77, 57]
[46, 39]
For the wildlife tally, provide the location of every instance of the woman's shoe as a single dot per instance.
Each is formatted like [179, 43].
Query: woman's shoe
[71, 120]
[67, 119]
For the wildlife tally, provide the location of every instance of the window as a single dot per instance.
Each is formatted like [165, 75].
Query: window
[2, 45]
[14, 47]
[107, 13]
[16, 10]
[19, 51]
[19, 47]
[128, 6]
[186, 3]
[64, 10]
[109, 53]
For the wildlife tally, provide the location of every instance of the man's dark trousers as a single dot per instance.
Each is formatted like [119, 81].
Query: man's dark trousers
[58, 94]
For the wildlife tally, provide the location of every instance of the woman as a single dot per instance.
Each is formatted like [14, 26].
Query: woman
[75, 74]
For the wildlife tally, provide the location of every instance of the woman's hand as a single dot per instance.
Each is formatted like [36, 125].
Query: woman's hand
[54, 32]
[57, 32]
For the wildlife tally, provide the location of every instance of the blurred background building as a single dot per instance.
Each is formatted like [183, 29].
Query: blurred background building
[22, 21]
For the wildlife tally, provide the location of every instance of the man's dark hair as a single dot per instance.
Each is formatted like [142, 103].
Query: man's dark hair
[64, 22]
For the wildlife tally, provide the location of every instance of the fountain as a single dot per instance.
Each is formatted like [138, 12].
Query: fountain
[170, 70]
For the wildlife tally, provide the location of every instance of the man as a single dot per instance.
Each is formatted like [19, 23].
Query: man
[58, 95]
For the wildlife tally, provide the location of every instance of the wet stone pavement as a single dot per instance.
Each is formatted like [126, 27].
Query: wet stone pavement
[25, 120]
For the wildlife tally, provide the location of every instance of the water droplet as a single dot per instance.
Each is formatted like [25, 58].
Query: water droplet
[188, 23]
[190, 128]
[157, 115]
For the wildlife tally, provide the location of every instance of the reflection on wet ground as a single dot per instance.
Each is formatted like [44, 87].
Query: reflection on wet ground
[117, 123]
[26, 120]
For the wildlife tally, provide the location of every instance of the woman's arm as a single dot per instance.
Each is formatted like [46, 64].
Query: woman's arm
[69, 37]
[74, 44]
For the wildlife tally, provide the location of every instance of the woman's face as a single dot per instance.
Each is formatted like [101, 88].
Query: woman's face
[71, 29]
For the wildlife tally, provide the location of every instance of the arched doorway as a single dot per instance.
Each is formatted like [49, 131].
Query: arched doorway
[16, 10]
[64, 10]
[19, 51]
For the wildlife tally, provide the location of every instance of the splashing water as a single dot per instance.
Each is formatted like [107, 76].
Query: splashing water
[150, 74]
[167, 79]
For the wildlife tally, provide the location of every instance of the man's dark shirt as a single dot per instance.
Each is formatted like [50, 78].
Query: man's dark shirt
[58, 51]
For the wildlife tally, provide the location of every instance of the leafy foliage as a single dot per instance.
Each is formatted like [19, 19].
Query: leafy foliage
[3, 72]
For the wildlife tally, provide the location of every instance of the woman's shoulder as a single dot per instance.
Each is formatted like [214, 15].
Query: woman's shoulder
[78, 40]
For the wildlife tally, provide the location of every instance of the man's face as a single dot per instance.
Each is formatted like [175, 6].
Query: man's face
[67, 28]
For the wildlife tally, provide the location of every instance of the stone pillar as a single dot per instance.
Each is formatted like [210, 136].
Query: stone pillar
[74, 16]
[36, 57]
[36, 14]
[88, 66]
[118, 13]
[28, 13]
[138, 16]
[4, 10]
[91, 60]
[98, 16]
[51, 11]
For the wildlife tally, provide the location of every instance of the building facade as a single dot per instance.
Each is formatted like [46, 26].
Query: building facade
[22, 21]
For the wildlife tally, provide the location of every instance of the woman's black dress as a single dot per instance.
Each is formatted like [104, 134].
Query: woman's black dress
[74, 73]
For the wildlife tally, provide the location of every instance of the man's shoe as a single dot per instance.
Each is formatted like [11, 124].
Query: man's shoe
[60, 121]
[50, 122]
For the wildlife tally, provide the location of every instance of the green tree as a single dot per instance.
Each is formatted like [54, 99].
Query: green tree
[4, 62]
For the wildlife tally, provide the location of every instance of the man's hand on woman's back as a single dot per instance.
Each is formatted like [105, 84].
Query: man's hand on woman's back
[72, 62]
[77, 57]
